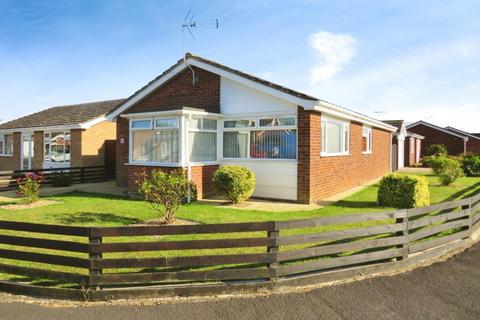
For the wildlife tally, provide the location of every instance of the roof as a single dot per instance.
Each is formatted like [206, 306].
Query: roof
[64, 115]
[396, 123]
[293, 96]
[430, 125]
[464, 133]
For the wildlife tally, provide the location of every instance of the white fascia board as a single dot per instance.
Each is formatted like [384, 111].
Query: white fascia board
[146, 91]
[307, 104]
[179, 112]
[462, 132]
[336, 111]
[91, 123]
[46, 128]
[436, 128]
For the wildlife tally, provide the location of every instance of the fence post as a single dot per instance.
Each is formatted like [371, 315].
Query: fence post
[82, 175]
[93, 255]
[274, 248]
[469, 208]
[404, 233]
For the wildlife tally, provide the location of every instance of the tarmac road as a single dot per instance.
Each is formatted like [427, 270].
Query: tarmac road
[445, 290]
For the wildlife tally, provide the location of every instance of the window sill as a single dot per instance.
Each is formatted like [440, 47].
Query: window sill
[366, 152]
[204, 163]
[6, 155]
[341, 154]
[259, 159]
[153, 164]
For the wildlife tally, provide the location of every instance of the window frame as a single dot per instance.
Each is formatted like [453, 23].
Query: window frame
[257, 127]
[153, 128]
[369, 137]
[3, 150]
[201, 129]
[65, 132]
[324, 137]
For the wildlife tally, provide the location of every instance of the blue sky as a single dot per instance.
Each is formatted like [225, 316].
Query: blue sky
[389, 59]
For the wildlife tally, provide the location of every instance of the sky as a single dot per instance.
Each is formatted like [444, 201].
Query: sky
[412, 60]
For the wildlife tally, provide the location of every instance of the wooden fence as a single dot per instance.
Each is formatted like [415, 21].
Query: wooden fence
[78, 175]
[102, 259]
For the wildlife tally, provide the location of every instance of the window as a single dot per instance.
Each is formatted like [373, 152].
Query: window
[157, 145]
[266, 138]
[367, 140]
[202, 139]
[335, 137]
[6, 144]
[57, 146]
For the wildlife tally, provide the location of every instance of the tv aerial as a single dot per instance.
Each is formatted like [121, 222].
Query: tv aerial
[190, 24]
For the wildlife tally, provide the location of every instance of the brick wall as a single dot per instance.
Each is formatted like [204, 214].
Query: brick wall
[201, 177]
[76, 148]
[455, 145]
[320, 177]
[38, 149]
[122, 151]
[10, 163]
[180, 92]
[473, 145]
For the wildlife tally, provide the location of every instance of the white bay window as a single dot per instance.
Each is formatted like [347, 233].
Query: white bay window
[335, 137]
[155, 141]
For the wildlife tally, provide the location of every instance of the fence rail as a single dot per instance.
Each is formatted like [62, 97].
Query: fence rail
[102, 258]
[78, 175]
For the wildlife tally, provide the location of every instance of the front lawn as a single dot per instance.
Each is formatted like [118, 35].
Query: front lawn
[99, 210]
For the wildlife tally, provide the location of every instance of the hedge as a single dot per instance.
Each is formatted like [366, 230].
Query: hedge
[403, 191]
[235, 182]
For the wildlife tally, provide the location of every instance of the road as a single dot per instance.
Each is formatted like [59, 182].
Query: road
[445, 290]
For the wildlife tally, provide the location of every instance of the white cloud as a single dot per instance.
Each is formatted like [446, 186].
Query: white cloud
[333, 50]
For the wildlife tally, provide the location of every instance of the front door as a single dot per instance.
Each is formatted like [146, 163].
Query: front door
[27, 151]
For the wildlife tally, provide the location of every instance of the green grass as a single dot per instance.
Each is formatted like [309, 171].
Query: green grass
[83, 209]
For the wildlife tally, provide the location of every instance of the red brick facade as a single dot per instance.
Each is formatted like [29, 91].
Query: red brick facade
[411, 150]
[181, 92]
[319, 177]
[455, 145]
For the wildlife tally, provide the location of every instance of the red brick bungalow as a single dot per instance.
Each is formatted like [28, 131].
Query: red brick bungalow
[456, 141]
[58, 137]
[200, 115]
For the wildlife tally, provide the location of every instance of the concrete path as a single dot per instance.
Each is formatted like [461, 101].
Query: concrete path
[445, 290]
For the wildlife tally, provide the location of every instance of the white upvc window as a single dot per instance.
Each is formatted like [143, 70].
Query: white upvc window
[6, 145]
[57, 145]
[202, 139]
[155, 140]
[260, 138]
[367, 137]
[335, 137]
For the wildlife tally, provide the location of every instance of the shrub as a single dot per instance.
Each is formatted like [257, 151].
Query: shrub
[235, 182]
[471, 166]
[29, 187]
[447, 169]
[164, 191]
[61, 178]
[403, 191]
[436, 150]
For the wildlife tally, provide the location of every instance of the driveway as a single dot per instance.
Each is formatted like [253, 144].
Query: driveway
[445, 290]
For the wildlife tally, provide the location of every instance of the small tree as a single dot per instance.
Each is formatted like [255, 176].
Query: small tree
[29, 187]
[436, 150]
[164, 191]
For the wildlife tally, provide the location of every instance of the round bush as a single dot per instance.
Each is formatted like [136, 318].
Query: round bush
[447, 169]
[471, 166]
[403, 191]
[235, 182]
[436, 150]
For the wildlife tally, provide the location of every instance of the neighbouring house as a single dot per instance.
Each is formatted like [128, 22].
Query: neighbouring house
[456, 142]
[59, 137]
[413, 149]
[398, 143]
[473, 144]
[199, 115]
